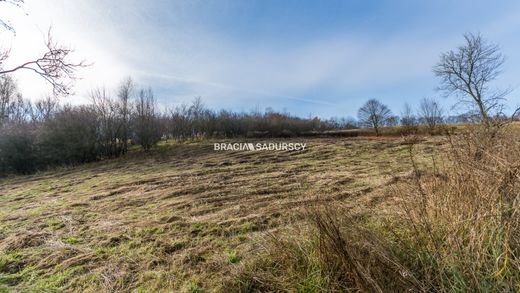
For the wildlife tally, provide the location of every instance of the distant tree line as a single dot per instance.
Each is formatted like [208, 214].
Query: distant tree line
[376, 115]
[45, 133]
[35, 135]
[195, 120]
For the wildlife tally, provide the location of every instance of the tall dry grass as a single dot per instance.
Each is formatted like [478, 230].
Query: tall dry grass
[455, 228]
[462, 219]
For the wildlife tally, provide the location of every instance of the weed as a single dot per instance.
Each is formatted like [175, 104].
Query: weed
[233, 257]
[71, 240]
[193, 287]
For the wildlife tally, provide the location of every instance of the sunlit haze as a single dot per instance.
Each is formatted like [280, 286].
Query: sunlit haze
[322, 58]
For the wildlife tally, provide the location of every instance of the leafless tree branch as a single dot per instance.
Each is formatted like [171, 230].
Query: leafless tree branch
[53, 66]
[5, 23]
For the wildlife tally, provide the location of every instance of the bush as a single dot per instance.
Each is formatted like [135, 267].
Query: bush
[17, 149]
[70, 137]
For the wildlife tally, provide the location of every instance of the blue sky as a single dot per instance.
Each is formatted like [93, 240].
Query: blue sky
[322, 58]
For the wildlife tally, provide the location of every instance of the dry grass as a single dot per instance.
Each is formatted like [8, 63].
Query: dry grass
[453, 226]
[465, 215]
[183, 218]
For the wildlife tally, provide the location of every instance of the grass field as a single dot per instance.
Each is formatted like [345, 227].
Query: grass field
[182, 218]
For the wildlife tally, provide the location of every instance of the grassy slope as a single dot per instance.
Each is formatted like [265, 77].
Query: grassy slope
[178, 219]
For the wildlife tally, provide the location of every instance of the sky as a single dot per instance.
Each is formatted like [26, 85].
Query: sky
[318, 58]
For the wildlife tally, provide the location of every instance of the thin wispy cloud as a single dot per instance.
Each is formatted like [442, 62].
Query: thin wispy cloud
[324, 59]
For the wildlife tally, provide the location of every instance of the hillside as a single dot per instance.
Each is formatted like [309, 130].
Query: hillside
[182, 217]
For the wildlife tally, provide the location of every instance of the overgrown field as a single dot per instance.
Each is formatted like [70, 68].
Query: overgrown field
[183, 217]
[453, 225]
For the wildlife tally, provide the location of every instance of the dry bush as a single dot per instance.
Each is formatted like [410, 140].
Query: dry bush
[356, 258]
[462, 221]
[456, 227]
[281, 263]
[337, 252]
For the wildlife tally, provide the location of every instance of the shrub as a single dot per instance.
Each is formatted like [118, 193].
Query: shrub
[17, 149]
[70, 137]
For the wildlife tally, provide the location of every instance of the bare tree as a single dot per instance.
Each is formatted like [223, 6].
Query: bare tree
[8, 91]
[392, 121]
[125, 93]
[147, 127]
[374, 114]
[430, 114]
[109, 125]
[13, 107]
[179, 124]
[20, 110]
[45, 108]
[408, 120]
[196, 115]
[468, 72]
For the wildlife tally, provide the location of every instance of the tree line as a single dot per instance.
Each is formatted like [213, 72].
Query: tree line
[44, 133]
[376, 115]
[35, 135]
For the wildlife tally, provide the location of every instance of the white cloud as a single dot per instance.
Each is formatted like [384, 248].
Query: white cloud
[188, 59]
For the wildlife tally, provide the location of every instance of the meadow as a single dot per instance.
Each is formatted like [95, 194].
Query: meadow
[184, 217]
[114, 189]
